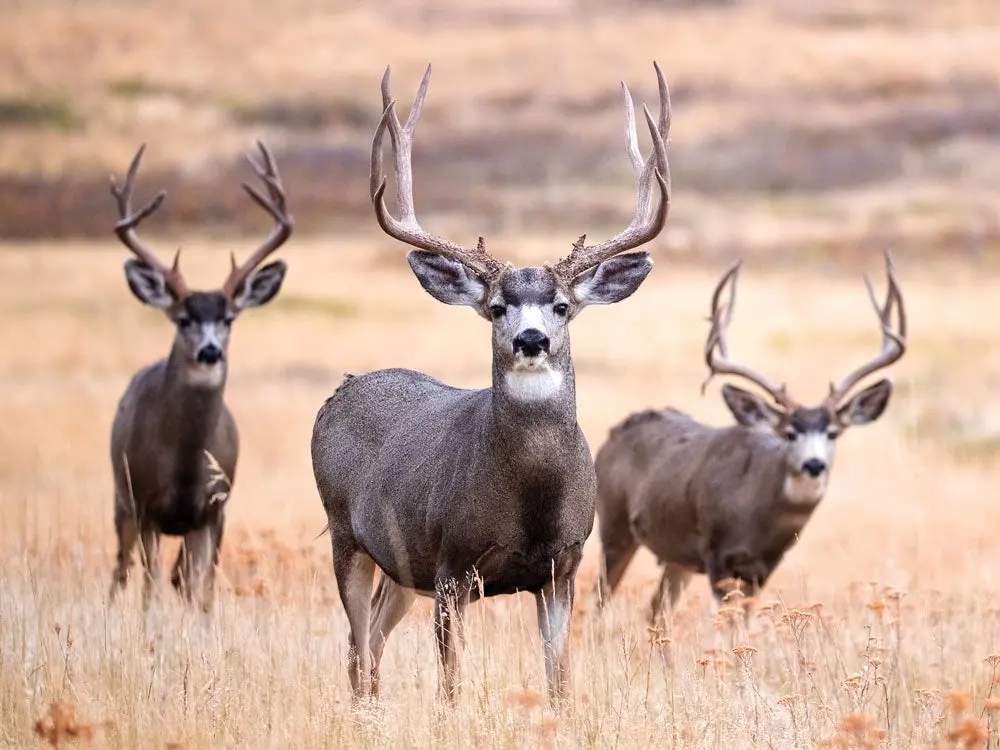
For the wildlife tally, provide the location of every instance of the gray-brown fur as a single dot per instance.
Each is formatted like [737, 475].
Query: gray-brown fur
[456, 493]
[173, 415]
[727, 502]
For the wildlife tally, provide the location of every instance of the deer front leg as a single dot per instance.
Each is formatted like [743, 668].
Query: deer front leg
[127, 532]
[150, 552]
[193, 574]
[451, 598]
[554, 606]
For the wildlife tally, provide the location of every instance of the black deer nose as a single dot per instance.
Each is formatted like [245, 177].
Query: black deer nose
[531, 342]
[209, 355]
[814, 467]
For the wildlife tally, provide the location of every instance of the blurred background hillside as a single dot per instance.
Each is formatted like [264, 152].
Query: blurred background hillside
[803, 129]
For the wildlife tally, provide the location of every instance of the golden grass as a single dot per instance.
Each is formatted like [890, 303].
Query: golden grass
[879, 629]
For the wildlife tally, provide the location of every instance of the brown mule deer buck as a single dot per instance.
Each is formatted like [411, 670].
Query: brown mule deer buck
[729, 501]
[172, 420]
[460, 494]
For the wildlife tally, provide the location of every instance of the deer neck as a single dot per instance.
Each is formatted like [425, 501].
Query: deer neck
[524, 401]
[192, 408]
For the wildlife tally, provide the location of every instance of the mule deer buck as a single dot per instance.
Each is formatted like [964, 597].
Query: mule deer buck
[730, 501]
[172, 420]
[460, 494]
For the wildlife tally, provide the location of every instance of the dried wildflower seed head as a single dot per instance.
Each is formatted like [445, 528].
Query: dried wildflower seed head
[734, 596]
[788, 700]
[795, 618]
[702, 662]
[852, 682]
[744, 650]
[891, 592]
[653, 633]
[876, 605]
[729, 613]
[729, 584]
[993, 660]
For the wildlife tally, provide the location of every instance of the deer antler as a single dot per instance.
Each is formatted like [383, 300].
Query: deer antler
[274, 204]
[406, 228]
[128, 221]
[720, 364]
[893, 342]
[644, 226]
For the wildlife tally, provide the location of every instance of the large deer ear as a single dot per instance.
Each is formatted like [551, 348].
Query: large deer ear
[447, 280]
[866, 406]
[749, 409]
[261, 286]
[613, 280]
[148, 285]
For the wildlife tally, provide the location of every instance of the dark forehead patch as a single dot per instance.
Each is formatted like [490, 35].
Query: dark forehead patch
[206, 307]
[528, 286]
[814, 419]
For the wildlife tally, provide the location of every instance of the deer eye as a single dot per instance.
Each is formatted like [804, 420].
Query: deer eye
[561, 309]
[498, 311]
[184, 322]
[227, 321]
[832, 435]
[790, 435]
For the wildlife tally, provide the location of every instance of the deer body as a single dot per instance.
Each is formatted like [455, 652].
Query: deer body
[172, 422]
[728, 502]
[518, 490]
[455, 493]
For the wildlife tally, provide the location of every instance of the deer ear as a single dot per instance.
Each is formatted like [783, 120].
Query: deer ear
[866, 406]
[148, 285]
[749, 409]
[613, 280]
[261, 286]
[447, 280]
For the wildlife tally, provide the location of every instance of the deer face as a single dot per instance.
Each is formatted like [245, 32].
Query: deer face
[530, 309]
[809, 432]
[203, 319]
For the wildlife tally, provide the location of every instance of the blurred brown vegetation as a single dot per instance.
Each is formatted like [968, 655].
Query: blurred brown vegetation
[814, 128]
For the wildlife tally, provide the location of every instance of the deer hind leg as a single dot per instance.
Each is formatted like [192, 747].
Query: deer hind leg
[390, 604]
[127, 532]
[149, 551]
[355, 572]
[673, 582]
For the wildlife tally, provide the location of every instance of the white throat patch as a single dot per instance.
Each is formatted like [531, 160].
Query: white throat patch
[205, 376]
[533, 384]
[802, 489]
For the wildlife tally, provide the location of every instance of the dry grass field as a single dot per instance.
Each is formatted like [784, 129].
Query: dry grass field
[805, 140]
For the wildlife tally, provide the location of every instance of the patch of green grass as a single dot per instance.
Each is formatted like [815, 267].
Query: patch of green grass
[333, 307]
[303, 113]
[134, 87]
[39, 111]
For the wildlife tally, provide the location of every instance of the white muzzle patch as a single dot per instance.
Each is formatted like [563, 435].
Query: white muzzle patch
[535, 384]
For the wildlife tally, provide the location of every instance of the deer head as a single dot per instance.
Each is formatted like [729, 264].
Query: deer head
[529, 308]
[809, 431]
[203, 318]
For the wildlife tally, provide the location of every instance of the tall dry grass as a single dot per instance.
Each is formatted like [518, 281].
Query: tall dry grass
[880, 629]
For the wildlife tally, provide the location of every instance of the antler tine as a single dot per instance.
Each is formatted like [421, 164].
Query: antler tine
[275, 204]
[893, 342]
[125, 228]
[406, 228]
[643, 226]
[721, 316]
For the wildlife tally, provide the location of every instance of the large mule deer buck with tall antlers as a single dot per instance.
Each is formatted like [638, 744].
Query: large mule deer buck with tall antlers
[459, 494]
[172, 421]
[730, 501]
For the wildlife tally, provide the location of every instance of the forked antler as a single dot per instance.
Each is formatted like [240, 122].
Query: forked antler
[893, 342]
[128, 221]
[406, 228]
[645, 224]
[720, 364]
[274, 204]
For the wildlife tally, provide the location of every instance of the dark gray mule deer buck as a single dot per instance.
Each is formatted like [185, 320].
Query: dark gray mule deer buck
[730, 501]
[459, 494]
[172, 421]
